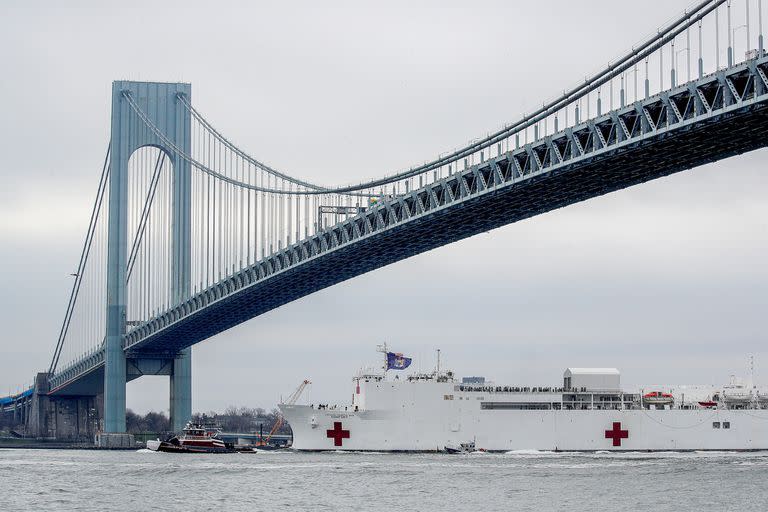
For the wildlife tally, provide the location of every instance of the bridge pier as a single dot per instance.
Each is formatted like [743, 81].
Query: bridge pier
[37, 424]
[181, 390]
[64, 418]
[114, 384]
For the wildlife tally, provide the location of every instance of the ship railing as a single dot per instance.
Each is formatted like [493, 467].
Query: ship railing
[332, 407]
[558, 406]
[538, 389]
[376, 377]
[513, 389]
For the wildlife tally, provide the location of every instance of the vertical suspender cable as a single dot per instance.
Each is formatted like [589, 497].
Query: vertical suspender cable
[746, 2]
[760, 27]
[227, 218]
[208, 220]
[688, 51]
[730, 42]
[262, 220]
[217, 212]
[241, 214]
[149, 201]
[248, 216]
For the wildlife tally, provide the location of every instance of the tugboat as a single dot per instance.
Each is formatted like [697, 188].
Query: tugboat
[194, 439]
[460, 448]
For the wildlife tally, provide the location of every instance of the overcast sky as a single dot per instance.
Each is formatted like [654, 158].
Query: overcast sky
[666, 281]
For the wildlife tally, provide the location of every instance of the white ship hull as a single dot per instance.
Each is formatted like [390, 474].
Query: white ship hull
[429, 416]
[533, 430]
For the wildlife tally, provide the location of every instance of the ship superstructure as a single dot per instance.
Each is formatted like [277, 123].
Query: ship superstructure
[589, 411]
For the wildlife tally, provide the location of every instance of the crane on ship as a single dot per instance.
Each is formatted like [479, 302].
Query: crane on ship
[292, 399]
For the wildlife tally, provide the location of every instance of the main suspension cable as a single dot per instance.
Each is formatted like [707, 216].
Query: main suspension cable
[657, 41]
[264, 167]
[353, 191]
[74, 294]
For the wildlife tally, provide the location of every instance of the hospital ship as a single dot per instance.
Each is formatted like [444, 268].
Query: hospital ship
[586, 411]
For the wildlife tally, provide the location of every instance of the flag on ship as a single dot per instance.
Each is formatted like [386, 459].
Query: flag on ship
[397, 361]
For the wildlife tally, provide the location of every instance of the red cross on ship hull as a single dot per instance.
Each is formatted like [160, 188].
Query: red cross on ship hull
[337, 433]
[616, 433]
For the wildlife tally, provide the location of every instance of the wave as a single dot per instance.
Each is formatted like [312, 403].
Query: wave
[530, 452]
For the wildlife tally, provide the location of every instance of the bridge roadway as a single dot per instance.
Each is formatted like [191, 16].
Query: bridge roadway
[709, 119]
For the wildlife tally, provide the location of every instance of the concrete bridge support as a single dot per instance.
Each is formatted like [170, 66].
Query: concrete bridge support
[38, 419]
[18, 414]
[181, 390]
[64, 418]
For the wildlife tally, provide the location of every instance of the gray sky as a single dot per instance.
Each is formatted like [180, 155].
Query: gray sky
[666, 281]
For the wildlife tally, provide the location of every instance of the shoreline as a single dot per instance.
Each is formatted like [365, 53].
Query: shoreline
[40, 444]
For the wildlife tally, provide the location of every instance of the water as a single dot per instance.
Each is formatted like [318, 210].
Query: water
[144, 480]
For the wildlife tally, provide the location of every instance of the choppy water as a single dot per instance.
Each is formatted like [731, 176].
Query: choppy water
[143, 480]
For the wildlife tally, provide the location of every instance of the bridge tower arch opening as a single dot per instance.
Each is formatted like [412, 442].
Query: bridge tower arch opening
[134, 144]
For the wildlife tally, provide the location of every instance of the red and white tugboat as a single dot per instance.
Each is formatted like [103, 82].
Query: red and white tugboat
[194, 439]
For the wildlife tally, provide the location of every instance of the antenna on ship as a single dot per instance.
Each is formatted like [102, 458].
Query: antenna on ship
[383, 349]
[438, 361]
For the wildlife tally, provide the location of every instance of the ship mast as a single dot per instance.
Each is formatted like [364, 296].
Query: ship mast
[383, 349]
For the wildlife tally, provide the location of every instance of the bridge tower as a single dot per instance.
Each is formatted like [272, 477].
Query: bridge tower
[167, 113]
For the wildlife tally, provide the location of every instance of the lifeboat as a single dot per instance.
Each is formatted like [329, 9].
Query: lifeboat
[658, 398]
[709, 404]
[736, 396]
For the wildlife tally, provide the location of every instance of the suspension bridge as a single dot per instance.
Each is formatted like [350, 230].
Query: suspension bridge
[190, 235]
